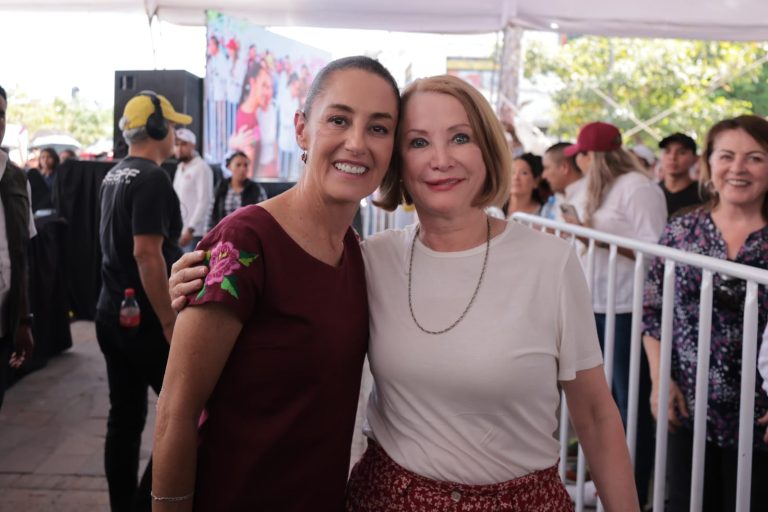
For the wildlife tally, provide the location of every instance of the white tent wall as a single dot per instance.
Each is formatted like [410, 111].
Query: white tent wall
[742, 20]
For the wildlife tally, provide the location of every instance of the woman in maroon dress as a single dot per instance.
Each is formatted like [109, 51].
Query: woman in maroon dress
[274, 343]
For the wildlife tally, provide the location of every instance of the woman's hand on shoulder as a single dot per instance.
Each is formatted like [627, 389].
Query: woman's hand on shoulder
[186, 278]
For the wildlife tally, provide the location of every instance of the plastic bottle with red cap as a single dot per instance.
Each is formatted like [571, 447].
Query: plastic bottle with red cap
[130, 314]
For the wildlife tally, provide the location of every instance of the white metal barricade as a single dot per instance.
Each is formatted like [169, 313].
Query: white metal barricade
[375, 220]
[672, 257]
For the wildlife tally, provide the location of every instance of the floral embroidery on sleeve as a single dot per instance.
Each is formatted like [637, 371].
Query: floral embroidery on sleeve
[223, 260]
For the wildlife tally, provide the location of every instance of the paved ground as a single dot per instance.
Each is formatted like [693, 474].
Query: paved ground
[52, 428]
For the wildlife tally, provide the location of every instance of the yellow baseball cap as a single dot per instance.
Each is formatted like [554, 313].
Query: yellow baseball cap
[140, 107]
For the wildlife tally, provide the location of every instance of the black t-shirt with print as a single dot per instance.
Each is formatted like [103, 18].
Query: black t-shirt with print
[682, 200]
[136, 198]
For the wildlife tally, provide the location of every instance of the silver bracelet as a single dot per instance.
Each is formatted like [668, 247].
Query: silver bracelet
[171, 498]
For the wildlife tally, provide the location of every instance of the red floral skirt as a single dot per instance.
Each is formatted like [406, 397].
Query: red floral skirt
[379, 484]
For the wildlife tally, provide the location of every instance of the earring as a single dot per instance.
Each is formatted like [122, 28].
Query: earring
[304, 157]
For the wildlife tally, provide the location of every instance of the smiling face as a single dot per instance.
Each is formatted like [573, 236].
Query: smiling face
[739, 169]
[523, 180]
[349, 135]
[443, 167]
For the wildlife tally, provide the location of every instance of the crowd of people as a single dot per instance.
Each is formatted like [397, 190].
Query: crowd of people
[471, 322]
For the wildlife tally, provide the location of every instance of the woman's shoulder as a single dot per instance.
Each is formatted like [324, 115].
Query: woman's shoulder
[692, 218]
[389, 238]
[246, 227]
[634, 179]
[689, 229]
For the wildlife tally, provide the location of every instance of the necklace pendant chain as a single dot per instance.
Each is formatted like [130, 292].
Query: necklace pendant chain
[474, 294]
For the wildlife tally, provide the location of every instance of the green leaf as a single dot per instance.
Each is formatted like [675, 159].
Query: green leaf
[229, 285]
[202, 292]
[246, 258]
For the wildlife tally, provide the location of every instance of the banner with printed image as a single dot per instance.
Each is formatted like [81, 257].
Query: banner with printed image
[254, 83]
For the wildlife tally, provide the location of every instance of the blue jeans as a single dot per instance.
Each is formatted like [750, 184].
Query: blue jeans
[645, 445]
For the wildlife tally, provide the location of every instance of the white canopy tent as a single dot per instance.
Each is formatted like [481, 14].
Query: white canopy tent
[743, 20]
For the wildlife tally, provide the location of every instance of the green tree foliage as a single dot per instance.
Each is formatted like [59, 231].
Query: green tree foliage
[624, 80]
[87, 122]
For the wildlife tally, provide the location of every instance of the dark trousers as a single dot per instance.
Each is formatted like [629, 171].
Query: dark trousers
[135, 360]
[644, 447]
[720, 468]
[6, 349]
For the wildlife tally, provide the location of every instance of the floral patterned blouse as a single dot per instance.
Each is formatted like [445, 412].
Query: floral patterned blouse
[696, 232]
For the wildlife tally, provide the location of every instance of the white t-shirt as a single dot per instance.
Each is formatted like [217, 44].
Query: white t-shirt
[193, 183]
[634, 207]
[479, 403]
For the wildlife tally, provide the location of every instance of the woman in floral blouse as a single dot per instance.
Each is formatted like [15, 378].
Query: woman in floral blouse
[732, 226]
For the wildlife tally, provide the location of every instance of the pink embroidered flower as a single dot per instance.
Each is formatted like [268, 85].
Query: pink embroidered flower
[224, 261]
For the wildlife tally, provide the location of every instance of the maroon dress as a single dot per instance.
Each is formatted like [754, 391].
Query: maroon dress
[281, 417]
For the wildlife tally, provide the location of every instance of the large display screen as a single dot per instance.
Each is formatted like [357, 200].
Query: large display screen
[255, 81]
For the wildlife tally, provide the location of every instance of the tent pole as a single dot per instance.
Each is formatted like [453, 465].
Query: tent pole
[150, 8]
[511, 64]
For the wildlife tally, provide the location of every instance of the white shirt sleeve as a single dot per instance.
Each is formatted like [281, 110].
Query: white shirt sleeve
[762, 360]
[579, 348]
[647, 212]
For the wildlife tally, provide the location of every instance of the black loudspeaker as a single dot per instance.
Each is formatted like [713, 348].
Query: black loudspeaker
[183, 89]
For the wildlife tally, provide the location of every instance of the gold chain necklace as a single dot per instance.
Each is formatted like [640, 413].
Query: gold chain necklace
[474, 295]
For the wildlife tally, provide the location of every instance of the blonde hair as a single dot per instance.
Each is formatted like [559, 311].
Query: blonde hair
[604, 169]
[488, 134]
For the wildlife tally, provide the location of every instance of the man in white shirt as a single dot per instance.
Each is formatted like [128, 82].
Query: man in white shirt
[564, 178]
[193, 183]
[16, 228]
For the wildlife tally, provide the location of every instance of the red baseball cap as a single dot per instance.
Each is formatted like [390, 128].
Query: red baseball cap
[597, 136]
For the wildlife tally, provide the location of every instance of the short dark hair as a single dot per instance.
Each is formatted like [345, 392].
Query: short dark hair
[679, 138]
[556, 150]
[3, 94]
[234, 155]
[355, 62]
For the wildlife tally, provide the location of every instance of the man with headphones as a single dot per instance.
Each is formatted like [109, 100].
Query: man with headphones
[139, 231]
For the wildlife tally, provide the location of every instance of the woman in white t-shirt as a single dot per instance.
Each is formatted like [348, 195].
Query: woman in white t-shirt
[619, 198]
[475, 323]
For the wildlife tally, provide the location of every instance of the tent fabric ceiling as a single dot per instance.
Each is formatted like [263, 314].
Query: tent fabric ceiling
[690, 19]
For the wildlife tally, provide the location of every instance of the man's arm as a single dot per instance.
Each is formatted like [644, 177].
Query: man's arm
[148, 253]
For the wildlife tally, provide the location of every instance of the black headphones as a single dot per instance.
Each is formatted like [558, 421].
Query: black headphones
[156, 126]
